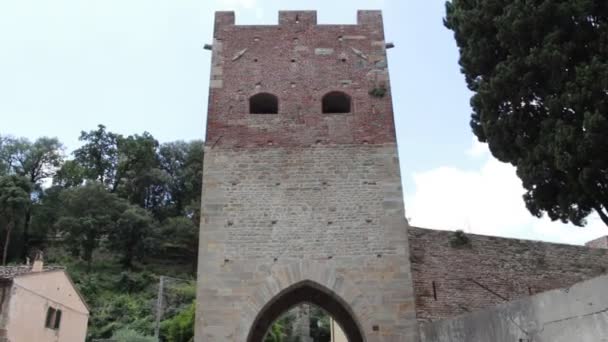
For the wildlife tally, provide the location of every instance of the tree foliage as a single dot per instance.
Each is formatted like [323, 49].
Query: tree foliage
[180, 328]
[130, 234]
[539, 73]
[98, 157]
[119, 213]
[14, 201]
[287, 328]
[88, 214]
[36, 162]
[130, 335]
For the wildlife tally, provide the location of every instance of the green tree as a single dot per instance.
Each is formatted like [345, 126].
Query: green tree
[46, 210]
[37, 162]
[99, 156]
[319, 324]
[539, 74]
[179, 237]
[89, 213]
[70, 174]
[139, 177]
[275, 333]
[128, 236]
[4, 159]
[183, 164]
[14, 201]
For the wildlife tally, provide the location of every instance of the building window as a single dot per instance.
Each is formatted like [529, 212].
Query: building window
[53, 318]
[336, 102]
[263, 103]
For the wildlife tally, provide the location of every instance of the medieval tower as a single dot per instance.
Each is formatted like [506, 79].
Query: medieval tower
[302, 198]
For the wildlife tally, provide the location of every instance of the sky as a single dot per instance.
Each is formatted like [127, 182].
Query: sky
[139, 65]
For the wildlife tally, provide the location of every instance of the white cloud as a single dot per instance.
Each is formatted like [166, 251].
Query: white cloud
[486, 201]
[478, 149]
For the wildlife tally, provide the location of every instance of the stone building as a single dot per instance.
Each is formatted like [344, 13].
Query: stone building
[302, 200]
[302, 195]
[40, 304]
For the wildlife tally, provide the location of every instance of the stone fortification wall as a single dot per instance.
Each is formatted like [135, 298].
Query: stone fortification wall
[576, 313]
[455, 275]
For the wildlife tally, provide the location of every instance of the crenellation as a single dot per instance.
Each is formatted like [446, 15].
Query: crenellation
[301, 18]
[306, 64]
[370, 18]
[223, 19]
[301, 183]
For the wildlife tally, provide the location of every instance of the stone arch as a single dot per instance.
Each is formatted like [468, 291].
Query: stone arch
[306, 292]
[263, 103]
[336, 102]
[315, 276]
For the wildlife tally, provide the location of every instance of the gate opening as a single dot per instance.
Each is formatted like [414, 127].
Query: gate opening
[305, 323]
[284, 319]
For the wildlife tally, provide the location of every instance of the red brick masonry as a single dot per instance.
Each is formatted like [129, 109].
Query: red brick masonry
[299, 62]
[453, 279]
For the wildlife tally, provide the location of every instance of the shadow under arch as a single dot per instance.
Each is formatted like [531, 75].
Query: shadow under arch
[306, 292]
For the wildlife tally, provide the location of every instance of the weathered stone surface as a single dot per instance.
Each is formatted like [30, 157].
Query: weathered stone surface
[281, 60]
[301, 197]
[577, 313]
[304, 214]
[601, 242]
[324, 51]
[453, 280]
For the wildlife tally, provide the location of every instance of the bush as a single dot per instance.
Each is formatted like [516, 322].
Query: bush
[180, 328]
[460, 240]
[129, 335]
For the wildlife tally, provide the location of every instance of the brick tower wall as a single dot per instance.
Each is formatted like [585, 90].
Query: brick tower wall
[301, 195]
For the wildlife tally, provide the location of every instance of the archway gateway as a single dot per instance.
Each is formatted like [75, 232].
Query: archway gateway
[305, 292]
[302, 198]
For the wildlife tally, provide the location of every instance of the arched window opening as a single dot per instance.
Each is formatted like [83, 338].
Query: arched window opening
[306, 311]
[336, 102]
[263, 103]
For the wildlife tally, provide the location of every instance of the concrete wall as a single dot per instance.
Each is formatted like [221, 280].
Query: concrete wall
[32, 295]
[301, 196]
[452, 279]
[578, 313]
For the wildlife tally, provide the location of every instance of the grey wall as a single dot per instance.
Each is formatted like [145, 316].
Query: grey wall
[578, 313]
[274, 217]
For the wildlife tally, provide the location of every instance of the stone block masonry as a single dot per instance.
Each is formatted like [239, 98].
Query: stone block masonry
[276, 217]
[302, 205]
[457, 276]
[576, 313]
[318, 202]
[601, 242]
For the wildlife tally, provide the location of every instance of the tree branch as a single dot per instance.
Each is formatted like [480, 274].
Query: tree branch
[603, 215]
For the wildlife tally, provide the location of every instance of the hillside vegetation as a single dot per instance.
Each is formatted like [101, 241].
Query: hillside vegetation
[118, 212]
